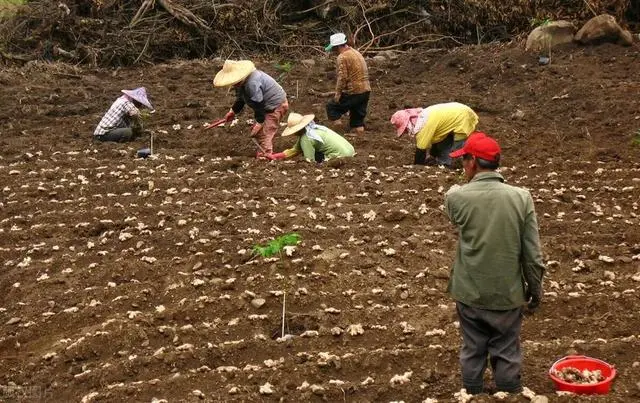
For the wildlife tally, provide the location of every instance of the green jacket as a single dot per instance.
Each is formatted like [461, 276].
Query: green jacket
[332, 146]
[498, 254]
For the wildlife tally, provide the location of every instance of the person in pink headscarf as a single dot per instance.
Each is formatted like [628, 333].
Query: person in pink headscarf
[122, 121]
[439, 130]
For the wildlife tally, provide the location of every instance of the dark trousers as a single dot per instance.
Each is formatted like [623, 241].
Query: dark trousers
[494, 335]
[120, 135]
[440, 151]
[355, 104]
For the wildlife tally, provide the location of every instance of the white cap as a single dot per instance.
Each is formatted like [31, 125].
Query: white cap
[336, 40]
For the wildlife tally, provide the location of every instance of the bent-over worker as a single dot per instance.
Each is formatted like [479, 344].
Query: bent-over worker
[262, 93]
[317, 143]
[439, 129]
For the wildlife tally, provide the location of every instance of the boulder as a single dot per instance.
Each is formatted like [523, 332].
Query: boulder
[551, 34]
[603, 28]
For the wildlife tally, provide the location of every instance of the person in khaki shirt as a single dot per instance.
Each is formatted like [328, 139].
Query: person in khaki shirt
[498, 266]
[352, 86]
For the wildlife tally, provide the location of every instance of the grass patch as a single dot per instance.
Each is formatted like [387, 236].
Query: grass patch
[9, 7]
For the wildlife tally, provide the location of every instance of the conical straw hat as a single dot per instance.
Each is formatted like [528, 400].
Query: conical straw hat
[296, 122]
[233, 71]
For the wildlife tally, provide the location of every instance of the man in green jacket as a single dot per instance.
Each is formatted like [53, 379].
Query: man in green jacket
[498, 266]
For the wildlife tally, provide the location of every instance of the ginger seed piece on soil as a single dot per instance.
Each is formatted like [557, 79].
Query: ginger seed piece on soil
[401, 379]
[355, 330]
[258, 302]
[266, 389]
[198, 393]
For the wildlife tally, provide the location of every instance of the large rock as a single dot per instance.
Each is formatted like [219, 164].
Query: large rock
[550, 35]
[603, 28]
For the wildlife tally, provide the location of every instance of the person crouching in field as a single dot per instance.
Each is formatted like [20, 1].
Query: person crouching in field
[498, 266]
[262, 93]
[439, 129]
[317, 143]
[122, 122]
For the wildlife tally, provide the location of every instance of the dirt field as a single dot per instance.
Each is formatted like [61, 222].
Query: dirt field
[128, 280]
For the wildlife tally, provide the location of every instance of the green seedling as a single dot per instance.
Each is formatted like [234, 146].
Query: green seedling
[636, 139]
[536, 22]
[276, 246]
[145, 115]
[284, 69]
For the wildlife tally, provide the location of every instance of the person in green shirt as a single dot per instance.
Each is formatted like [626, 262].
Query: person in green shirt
[498, 266]
[317, 143]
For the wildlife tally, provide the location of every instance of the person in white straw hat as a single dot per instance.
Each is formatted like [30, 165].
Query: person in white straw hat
[262, 93]
[122, 121]
[352, 86]
[317, 143]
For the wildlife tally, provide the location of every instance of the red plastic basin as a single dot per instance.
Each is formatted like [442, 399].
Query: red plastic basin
[581, 362]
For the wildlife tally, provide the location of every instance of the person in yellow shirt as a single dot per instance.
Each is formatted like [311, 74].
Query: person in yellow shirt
[439, 129]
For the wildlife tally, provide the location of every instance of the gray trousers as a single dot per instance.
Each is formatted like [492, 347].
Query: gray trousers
[120, 135]
[494, 335]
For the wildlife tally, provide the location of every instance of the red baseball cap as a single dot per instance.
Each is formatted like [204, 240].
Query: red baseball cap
[479, 145]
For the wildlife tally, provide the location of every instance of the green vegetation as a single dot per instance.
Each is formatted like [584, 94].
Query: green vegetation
[8, 7]
[536, 22]
[636, 139]
[283, 68]
[276, 246]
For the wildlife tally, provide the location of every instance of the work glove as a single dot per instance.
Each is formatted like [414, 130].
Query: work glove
[229, 116]
[277, 156]
[533, 301]
[255, 130]
[420, 157]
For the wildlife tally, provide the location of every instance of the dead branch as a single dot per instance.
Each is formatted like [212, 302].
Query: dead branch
[146, 5]
[366, 20]
[184, 15]
[179, 12]
[18, 58]
[368, 45]
[321, 94]
[355, 34]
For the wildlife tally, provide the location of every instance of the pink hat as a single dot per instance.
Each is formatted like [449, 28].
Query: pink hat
[401, 119]
[140, 95]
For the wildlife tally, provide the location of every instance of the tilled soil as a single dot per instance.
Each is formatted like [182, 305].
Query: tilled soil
[126, 279]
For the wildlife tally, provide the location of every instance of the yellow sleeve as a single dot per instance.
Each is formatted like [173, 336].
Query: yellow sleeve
[424, 138]
[293, 151]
